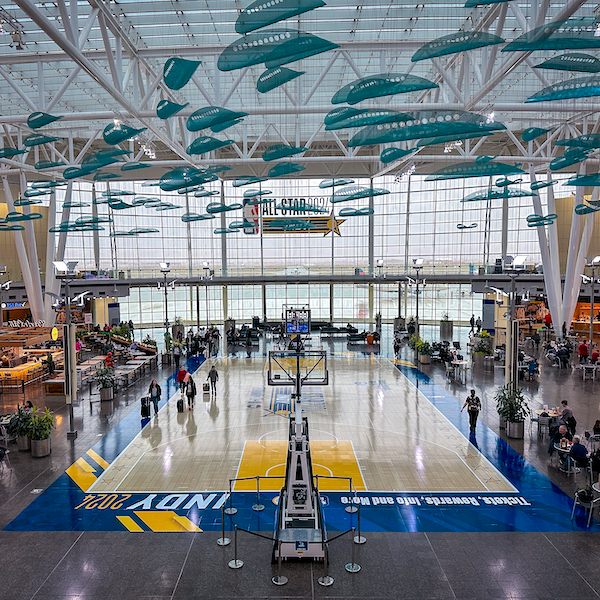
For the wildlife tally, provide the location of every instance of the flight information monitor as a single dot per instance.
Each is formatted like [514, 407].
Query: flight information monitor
[297, 320]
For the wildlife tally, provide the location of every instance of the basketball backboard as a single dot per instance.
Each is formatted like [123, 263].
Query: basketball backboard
[283, 367]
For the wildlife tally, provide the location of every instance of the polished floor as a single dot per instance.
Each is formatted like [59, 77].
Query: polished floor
[446, 515]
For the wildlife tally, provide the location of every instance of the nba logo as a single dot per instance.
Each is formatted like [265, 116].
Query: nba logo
[251, 215]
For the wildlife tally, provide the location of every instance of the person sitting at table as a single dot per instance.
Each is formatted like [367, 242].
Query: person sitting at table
[561, 433]
[577, 456]
[595, 355]
[106, 327]
[563, 356]
[133, 346]
[596, 428]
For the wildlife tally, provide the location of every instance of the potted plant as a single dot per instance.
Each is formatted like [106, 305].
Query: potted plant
[512, 406]
[480, 351]
[40, 428]
[425, 350]
[19, 426]
[446, 327]
[105, 378]
[166, 356]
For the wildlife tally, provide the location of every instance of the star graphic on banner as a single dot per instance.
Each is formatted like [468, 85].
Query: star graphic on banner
[333, 225]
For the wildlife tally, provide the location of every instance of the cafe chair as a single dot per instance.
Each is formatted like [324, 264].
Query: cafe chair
[581, 499]
[543, 424]
[449, 371]
[4, 460]
[5, 437]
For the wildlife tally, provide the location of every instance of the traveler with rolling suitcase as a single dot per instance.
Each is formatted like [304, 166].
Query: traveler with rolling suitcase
[190, 391]
[154, 393]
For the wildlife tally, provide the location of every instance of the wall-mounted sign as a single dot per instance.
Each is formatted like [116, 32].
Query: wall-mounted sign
[88, 318]
[54, 334]
[14, 305]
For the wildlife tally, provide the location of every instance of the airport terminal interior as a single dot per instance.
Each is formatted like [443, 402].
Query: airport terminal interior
[299, 299]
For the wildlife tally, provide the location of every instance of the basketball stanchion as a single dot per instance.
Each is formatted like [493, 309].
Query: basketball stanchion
[352, 567]
[223, 541]
[359, 539]
[351, 508]
[236, 563]
[230, 510]
[326, 579]
[258, 506]
[279, 579]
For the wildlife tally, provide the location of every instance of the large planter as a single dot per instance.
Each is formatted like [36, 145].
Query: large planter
[23, 443]
[167, 358]
[478, 360]
[40, 448]
[446, 330]
[515, 430]
[107, 393]
[502, 423]
[424, 359]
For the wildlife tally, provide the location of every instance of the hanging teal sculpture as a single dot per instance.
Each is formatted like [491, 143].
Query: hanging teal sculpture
[190, 190]
[474, 169]
[5, 227]
[356, 212]
[241, 181]
[384, 84]
[165, 206]
[152, 202]
[43, 184]
[262, 13]
[117, 193]
[134, 166]
[472, 3]
[577, 33]
[572, 62]
[104, 176]
[540, 220]
[538, 185]
[178, 71]
[589, 141]
[190, 217]
[281, 151]
[355, 193]
[584, 180]
[93, 220]
[217, 168]
[256, 193]
[444, 139]
[205, 193]
[425, 124]
[391, 154]
[75, 204]
[242, 225]
[531, 133]
[10, 152]
[505, 182]
[224, 231]
[39, 119]
[27, 201]
[166, 109]
[584, 209]
[213, 117]
[461, 41]
[182, 177]
[286, 168]
[579, 87]
[117, 204]
[13, 217]
[74, 172]
[463, 226]
[274, 48]
[115, 134]
[572, 156]
[273, 78]
[32, 193]
[37, 139]
[205, 144]
[497, 194]
[218, 207]
[348, 117]
[327, 183]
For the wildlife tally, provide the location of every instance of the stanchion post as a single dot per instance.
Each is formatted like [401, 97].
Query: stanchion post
[230, 510]
[352, 567]
[223, 541]
[359, 539]
[351, 508]
[325, 580]
[279, 579]
[258, 506]
[235, 563]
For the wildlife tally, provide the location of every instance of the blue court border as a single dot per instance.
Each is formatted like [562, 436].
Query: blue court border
[539, 505]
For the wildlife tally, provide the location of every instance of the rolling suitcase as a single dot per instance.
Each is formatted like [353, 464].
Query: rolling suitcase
[180, 405]
[145, 408]
[206, 388]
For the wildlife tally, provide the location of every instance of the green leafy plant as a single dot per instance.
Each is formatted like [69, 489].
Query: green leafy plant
[19, 423]
[482, 347]
[511, 404]
[445, 317]
[122, 331]
[40, 425]
[424, 347]
[178, 322]
[413, 342]
[148, 341]
[484, 334]
[105, 377]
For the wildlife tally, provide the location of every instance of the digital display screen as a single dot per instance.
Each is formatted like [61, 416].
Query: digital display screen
[297, 320]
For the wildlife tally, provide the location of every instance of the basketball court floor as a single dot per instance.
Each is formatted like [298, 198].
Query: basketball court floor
[383, 436]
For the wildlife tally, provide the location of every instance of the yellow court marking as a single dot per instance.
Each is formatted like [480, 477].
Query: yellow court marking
[130, 524]
[83, 477]
[95, 456]
[331, 457]
[165, 521]
[404, 363]
[85, 465]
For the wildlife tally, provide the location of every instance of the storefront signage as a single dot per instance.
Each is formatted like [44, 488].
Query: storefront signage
[54, 334]
[14, 305]
[19, 323]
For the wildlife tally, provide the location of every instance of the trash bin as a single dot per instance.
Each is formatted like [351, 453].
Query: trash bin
[370, 339]
[255, 322]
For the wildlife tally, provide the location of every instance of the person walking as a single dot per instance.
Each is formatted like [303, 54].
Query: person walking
[181, 377]
[473, 405]
[154, 393]
[214, 377]
[176, 355]
[190, 391]
[478, 323]
[472, 323]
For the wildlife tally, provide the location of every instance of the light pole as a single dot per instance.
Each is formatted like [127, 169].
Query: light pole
[206, 266]
[164, 269]
[593, 265]
[379, 319]
[511, 371]
[4, 287]
[417, 266]
[66, 273]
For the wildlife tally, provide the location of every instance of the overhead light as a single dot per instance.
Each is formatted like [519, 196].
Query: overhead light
[164, 267]
[380, 262]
